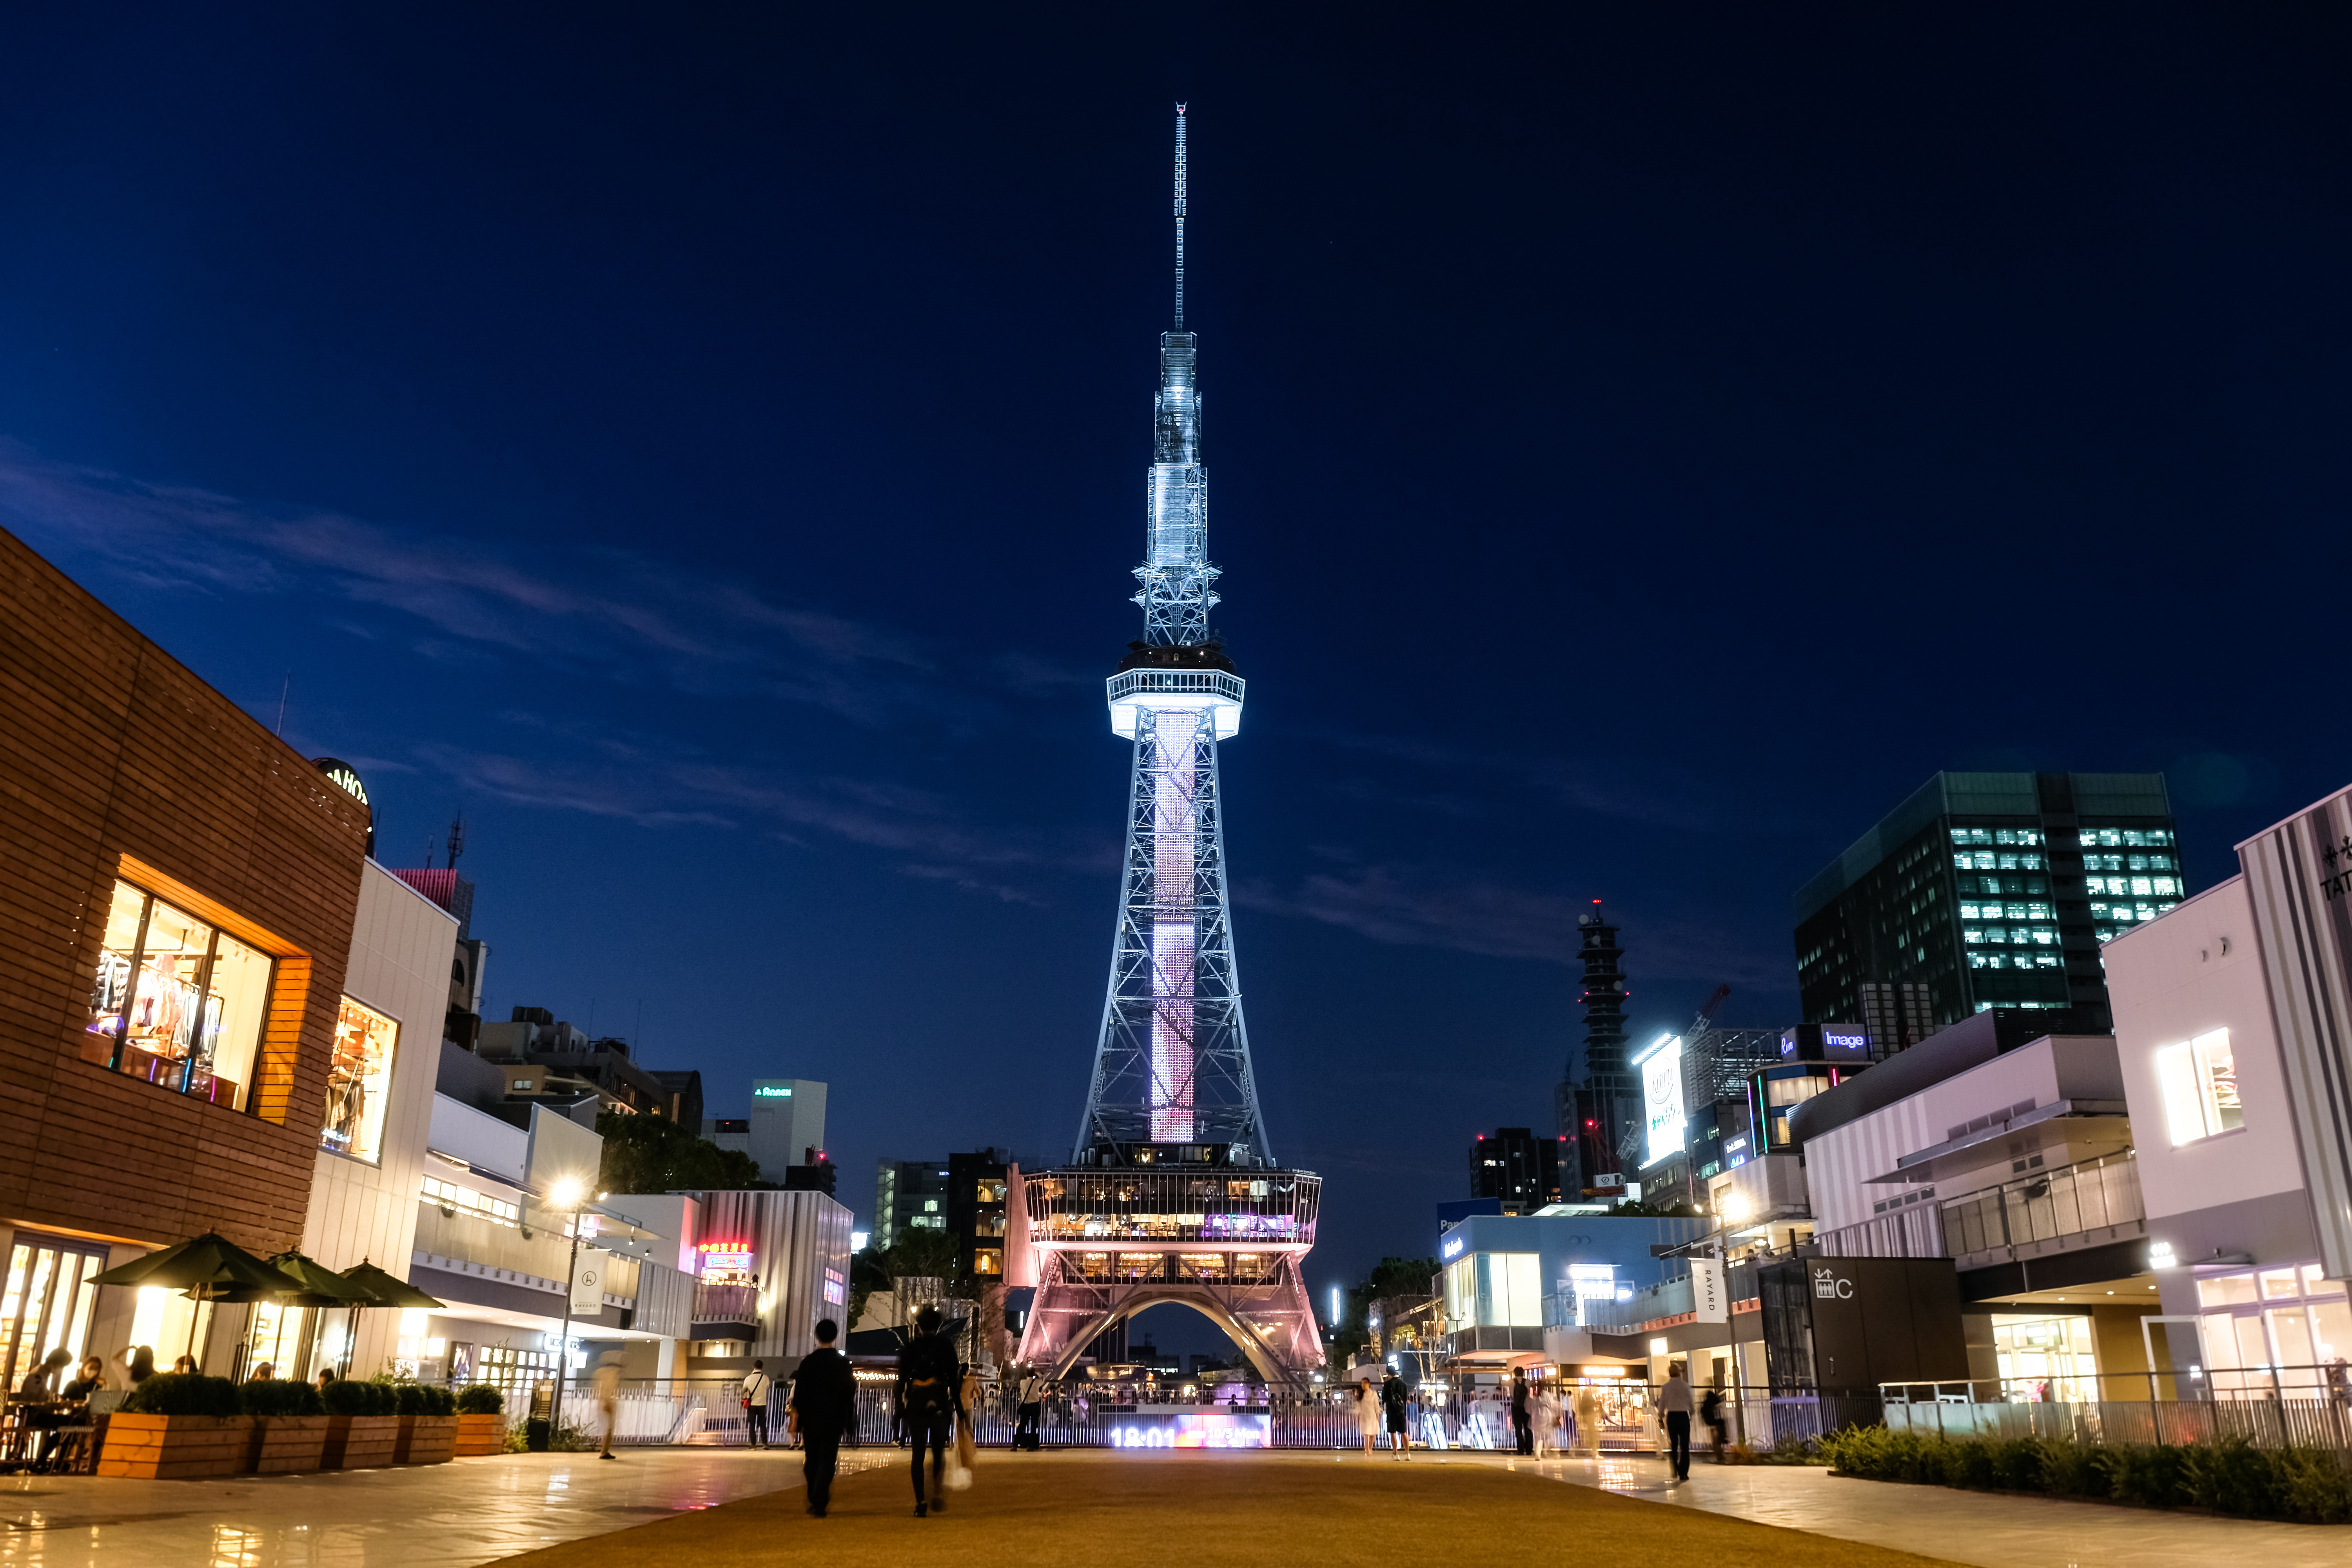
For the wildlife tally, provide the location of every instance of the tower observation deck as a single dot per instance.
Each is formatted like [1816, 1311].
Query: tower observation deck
[1172, 1193]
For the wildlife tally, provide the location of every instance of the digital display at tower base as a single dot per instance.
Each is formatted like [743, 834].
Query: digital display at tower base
[1192, 1429]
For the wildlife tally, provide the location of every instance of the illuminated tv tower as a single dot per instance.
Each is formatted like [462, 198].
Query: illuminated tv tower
[1171, 1061]
[1171, 1193]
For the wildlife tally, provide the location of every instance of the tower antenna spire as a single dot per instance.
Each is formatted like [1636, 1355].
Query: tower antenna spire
[1179, 217]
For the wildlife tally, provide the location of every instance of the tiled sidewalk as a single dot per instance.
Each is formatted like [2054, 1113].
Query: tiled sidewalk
[437, 1516]
[1963, 1527]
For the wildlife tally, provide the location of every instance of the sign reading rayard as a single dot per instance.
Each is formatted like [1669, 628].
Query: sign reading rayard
[1662, 1099]
[2299, 875]
[1710, 1303]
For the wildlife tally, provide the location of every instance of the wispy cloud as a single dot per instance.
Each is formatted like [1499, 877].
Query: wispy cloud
[1434, 905]
[1652, 795]
[635, 617]
[621, 780]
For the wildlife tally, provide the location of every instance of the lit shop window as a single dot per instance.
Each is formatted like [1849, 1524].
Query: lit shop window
[1495, 1289]
[2199, 1079]
[357, 1082]
[175, 1001]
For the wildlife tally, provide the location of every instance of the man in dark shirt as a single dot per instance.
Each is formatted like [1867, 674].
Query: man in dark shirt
[824, 1404]
[928, 1384]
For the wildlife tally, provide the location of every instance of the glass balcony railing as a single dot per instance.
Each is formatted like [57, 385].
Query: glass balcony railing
[2090, 1195]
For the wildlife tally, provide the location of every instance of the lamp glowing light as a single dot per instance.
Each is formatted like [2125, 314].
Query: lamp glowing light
[566, 1192]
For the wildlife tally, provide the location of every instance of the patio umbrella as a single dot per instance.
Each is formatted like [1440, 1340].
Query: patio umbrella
[207, 1268]
[318, 1287]
[383, 1290]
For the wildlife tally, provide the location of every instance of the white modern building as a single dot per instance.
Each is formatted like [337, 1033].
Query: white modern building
[2232, 1020]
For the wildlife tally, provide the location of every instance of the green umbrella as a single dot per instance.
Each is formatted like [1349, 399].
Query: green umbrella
[383, 1289]
[386, 1290]
[320, 1286]
[207, 1268]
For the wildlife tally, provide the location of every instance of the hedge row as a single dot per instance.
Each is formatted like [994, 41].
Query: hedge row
[193, 1393]
[2313, 1486]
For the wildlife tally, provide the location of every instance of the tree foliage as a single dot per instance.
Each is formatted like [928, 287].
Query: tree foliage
[1391, 1276]
[654, 1154]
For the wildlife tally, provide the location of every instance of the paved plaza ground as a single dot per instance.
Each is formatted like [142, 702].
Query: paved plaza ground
[701, 1508]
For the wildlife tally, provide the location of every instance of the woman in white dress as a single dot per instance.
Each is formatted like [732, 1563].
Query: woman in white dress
[1367, 1413]
[1544, 1407]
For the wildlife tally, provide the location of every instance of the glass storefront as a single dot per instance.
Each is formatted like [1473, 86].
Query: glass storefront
[358, 1080]
[2284, 1329]
[2045, 1359]
[177, 1002]
[48, 1302]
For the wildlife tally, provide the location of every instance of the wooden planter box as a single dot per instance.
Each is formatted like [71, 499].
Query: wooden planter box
[425, 1440]
[359, 1442]
[286, 1445]
[480, 1434]
[175, 1448]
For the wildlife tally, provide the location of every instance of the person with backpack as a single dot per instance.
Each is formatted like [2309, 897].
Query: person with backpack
[823, 1406]
[755, 1405]
[929, 1377]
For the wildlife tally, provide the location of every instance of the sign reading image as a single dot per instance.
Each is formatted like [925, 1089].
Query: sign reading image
[1662, 1099]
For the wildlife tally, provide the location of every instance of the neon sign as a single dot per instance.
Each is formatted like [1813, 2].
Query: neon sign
[730, 1257]
[771, 1091]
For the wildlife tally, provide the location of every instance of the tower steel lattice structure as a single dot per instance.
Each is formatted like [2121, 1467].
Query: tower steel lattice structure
[1172, 1193]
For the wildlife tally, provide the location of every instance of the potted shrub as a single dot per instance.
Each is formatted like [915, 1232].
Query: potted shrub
[363, 1428]
[429, 1424]
[178, 1426]
[481, 1421]
[289, 1427]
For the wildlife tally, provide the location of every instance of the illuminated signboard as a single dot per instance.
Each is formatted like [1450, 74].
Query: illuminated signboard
[1451, 1248]
[1662, 1099]
[1194, 1429]
[344, 777]
[771, 1091]
[725, 1256]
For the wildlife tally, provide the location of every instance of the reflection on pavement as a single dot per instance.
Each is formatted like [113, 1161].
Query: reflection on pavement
[440, 1516]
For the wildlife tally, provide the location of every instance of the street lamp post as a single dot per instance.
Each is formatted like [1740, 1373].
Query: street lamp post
[565, 1195]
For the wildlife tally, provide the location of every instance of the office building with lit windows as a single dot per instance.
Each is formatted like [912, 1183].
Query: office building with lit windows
[1517, 1168]
[1986, 890]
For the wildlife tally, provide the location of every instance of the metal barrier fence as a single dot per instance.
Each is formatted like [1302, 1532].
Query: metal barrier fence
[2264, 1423]
[708, 1411]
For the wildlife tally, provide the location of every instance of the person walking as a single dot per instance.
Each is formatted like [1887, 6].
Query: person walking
[1675, 1405]
[608, 1398]
[967, 1438]
[927, 1391]
[1522, 1418]
[824, 1404]
[1368, 1414]
[1545, 1406]
[1032, 1401]
[1395, 1397]
[757, 1384]
[1710, 1413]
[1588, 1421]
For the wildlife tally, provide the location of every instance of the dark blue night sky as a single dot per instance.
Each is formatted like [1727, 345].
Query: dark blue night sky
[707, 447]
